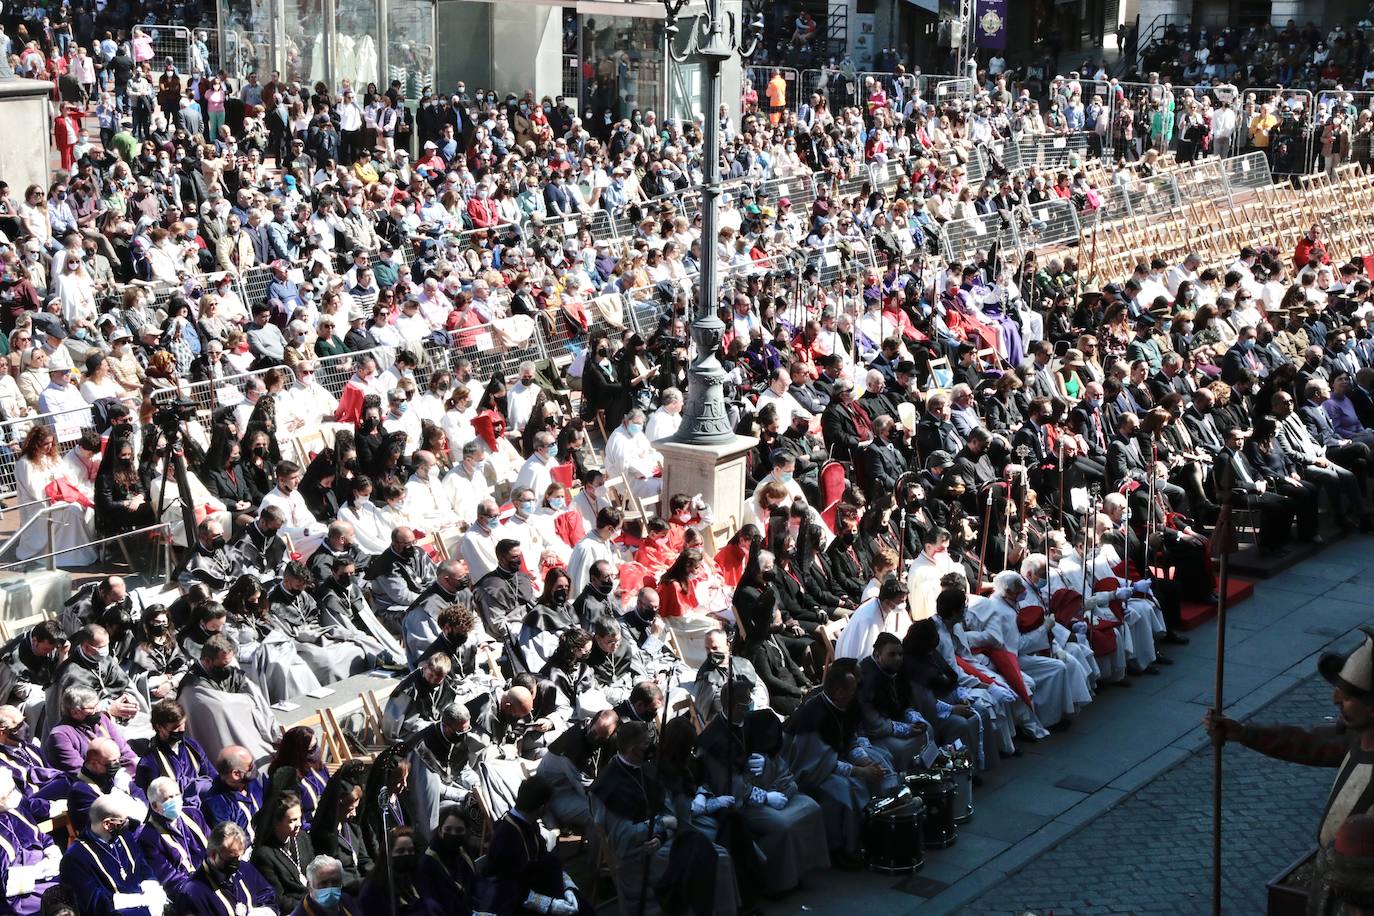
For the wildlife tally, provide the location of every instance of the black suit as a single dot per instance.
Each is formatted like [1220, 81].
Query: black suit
[1204, 431]
[840, 427]
[1364, 406]
[1236, 477]
[883, 464]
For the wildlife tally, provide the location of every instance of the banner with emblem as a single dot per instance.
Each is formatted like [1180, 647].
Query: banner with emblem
[990, 24]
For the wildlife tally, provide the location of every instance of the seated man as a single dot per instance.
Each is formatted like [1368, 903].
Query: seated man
[463, 640]
[331, 655]
[743, 771]
[260, 548]
[212, 562]
[570, 766]
[235, 795]
[833, 763]
[99, 776]
[91, 664]
[304, 530]
[81, 724]
[443, 766]
[420, 625]
[29, 859]
[419, 698]
[28, 663]
[175, 755]
[629, 455]
[521, 874]
[223, 707]
[42, 786]
[505, 595]
[614, 661]
[721, 666]
[175, 837]
[889, 715]
[397, 576]
[104, 870]
[226, 879]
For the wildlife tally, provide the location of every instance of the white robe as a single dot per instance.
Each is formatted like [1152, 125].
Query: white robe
[864, 625]
[633, 458]
[306, 533]
[72, 525]
[991, 623]
[923, 583]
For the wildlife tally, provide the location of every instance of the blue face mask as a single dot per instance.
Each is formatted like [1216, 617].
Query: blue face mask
[171, 809]
[785, 476]
[327, 896]
[558, 504]
[635, 428]
[527, 507]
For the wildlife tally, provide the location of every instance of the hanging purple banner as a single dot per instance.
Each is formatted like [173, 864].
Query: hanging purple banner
[990, 24]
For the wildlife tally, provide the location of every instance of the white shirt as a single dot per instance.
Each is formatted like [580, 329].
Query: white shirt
[662, 424]
[309, 404]
[520, 400]
[466, 493]
[299, 521]
[427, 503]
[73, 413]
[407, 423]
[630, 456]
[587, 552]
[535, 474]
[478, 550]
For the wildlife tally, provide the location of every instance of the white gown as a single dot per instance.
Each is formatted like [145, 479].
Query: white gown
[72, 525]
[991, 622]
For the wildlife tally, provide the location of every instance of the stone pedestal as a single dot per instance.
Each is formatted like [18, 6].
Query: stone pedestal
[717, 472]
[25, 156]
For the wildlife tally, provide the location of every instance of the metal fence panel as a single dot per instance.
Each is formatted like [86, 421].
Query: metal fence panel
[1053, 222]
[1250, 171]
[170, 42]
[963, 240]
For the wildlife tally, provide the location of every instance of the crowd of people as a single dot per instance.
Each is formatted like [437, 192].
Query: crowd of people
[981, 493]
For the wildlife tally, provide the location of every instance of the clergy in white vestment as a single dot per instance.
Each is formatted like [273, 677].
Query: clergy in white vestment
[1144, 621]
[924, 572]
[467, 484]
[780, 397]
[597, 544]
[591, 499]
[990, 623]
[1071, 646]
[427, 505]
[665, 421]
[306, 403]
[629, 455]
[537, 471]
[524, 526]
[305, 531]
[877, 615]
[478, 544]
[399, 419]
[521, 397]
[223, 707]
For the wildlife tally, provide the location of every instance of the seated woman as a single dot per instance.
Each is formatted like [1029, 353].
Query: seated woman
[297, 768]
[693, 600]
[121, 504]
[394, 878]
[335, 831]
[732, 557]
[446, 871]
[281, 849]
[317, 487]
[73, 524]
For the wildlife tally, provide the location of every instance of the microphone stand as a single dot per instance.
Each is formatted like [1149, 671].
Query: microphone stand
[382, 807]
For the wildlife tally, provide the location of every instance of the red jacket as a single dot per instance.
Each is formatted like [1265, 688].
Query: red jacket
[1306, 249]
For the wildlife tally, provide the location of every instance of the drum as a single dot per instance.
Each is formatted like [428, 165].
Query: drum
[960, 771]
[939, 794]
[892, 834]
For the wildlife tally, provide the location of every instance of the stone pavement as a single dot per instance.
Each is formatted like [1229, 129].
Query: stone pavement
[1114, 815]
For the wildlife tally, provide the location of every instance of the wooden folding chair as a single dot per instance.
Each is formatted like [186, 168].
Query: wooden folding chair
[12, 628]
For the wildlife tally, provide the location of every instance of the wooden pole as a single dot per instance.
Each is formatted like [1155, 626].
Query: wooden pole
[1222, 545]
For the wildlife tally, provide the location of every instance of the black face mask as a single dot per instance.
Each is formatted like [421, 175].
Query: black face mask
[716, 658]
[219, 675]
[176, 737]
[560, 596]
[403, 862]
[157, 629]
[260, 451]
[230, 868]
[450, 844]
[602, 352]
[217, 543]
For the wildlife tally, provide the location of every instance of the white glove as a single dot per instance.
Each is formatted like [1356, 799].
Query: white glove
[127, 901]
[154, 896]
[859, 756]
[757, 796]
[901, 730]
[562, 908]
[963, 694]
[1144, 586]
[1123, 593]
[21, 880]
[538, 902]
[777, 801]
[756, 764]
[122, 779]
[720, 803]
[1080, 628]
[1002, 694]
[699, 805]
[862, 742]
[913, 717]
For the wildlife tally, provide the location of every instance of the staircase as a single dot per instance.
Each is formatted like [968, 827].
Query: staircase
[836, 31]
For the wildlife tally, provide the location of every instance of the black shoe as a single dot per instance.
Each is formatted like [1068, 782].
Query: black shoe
[1161, 660]
[1151, 669]
[1133, 669]
[1175, 639]
[1317, 540]
[1121, 683]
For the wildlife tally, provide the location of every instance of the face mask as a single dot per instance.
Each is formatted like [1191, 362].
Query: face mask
[102, 652]
[230, 868]
[716, 658]
[635, 429]
[403, 862]
[260, 451]
[527, 507]
[327, 896]
[171, 809]
[558, 504]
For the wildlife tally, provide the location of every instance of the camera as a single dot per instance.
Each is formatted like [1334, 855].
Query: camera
[172, 416]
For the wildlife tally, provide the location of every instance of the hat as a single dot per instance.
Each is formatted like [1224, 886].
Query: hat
[784, 201]
[430, 144]
[939, 459]
[1073, 357]
[1353, 673]
[60, 361]
[1144, 320]
[905, 367]
[49, 324]
[120, 333]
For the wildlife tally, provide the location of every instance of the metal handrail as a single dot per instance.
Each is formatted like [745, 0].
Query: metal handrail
[44, 513]
[53, 554]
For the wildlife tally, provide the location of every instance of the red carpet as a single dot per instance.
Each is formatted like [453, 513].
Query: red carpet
[1195, 613]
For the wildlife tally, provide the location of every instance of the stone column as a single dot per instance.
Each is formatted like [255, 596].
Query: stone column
[25, 122]
[716, 471]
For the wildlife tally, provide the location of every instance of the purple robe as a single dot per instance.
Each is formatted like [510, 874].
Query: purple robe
[22, 843]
